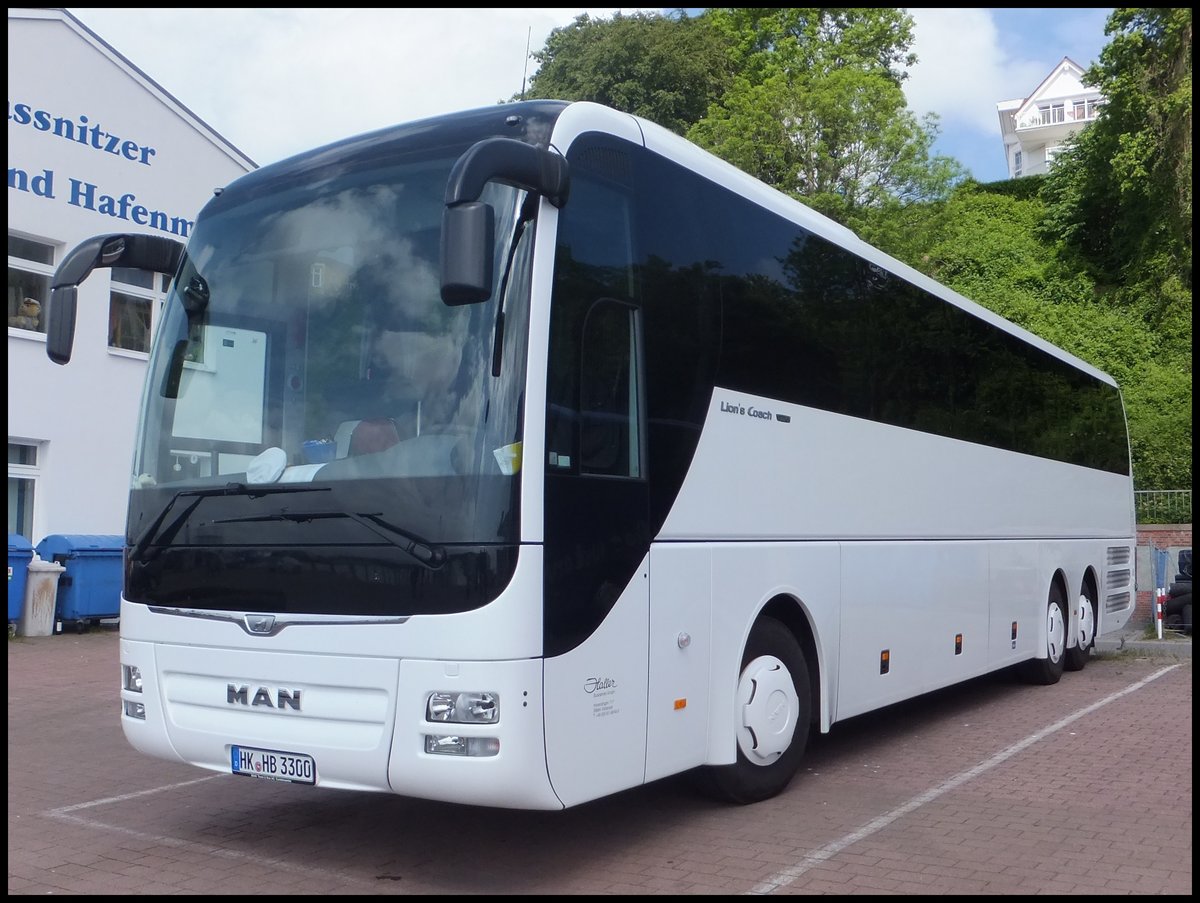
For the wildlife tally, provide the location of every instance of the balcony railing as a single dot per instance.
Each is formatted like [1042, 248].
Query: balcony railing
[1058, 115]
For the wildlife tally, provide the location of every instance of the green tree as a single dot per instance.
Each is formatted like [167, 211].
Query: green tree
[1119, 206]
[817, 110]
[1120, 198]
[666, 69]
[807, 100]
[816, 40]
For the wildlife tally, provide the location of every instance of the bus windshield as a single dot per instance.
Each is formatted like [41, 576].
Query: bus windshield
[305, 342]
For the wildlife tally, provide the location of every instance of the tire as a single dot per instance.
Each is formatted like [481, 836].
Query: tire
[1085, 630]
[1177, 612]
[773, 683]
[1175, 605]
[1048, 670]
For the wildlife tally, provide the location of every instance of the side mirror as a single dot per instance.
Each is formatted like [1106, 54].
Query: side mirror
[136, 251]
[468, 229]
[468, 234]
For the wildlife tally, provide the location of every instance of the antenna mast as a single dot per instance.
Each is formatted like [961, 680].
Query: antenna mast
[528, 35]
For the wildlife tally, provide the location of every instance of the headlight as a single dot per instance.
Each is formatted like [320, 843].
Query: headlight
[131, 678]
[463, 708]
[131, 682]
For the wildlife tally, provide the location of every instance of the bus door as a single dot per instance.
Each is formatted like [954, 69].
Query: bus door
[596, 545]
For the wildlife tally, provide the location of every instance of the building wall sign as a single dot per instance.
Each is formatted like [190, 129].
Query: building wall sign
[86, 195]
[95, 147]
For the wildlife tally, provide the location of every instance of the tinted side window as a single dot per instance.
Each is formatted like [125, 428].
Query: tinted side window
[590, 347]
[610, 392]
[808, 322]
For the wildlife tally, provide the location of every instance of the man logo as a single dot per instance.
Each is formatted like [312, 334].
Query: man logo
[260, 625]
[289, 699]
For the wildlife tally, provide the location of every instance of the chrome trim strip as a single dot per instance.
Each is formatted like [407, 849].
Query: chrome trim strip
[276, 622]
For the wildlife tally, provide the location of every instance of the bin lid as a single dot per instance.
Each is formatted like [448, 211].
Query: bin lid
[70, 544]
[18, 543]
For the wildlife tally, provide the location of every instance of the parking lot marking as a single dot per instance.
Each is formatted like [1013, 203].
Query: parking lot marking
[63, 810]
[67, 813]
[790, 874]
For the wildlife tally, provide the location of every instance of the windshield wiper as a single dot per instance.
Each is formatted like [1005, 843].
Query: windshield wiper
[250, 490]
[418, 547]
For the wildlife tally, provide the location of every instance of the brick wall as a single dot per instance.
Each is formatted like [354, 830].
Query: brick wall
[1171, 537]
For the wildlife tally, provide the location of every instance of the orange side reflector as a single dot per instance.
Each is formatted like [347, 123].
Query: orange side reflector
[680, 704]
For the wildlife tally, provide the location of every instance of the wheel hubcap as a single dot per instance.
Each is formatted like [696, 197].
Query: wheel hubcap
[1087, 623]
[1056, 632]
[770, 710]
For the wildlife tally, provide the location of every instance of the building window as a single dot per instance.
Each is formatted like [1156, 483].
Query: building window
[22, 481]
[133, 303]
[1017, 163]
[1052, 113]
[1085, 109]
[30, 266]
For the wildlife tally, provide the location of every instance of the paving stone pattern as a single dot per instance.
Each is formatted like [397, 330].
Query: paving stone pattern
[994, 787]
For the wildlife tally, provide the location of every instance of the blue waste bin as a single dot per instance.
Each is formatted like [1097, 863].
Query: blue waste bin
[89, 590]
[20, 553]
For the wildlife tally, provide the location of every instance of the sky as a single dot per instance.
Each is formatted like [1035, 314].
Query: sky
[278, 81]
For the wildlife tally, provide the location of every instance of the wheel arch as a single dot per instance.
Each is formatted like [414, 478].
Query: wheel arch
[790, 611]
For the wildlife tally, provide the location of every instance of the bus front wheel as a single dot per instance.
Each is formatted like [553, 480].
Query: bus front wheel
[1048, 670]
[774, 709]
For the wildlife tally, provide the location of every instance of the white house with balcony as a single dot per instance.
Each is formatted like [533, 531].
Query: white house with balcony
[1034, 128]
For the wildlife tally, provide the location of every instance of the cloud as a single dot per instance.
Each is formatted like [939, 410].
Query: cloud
[963, 71]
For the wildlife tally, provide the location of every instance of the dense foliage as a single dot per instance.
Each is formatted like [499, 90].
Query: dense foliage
[1095, 257]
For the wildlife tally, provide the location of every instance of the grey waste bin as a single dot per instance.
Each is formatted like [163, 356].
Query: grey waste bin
[41, 599]
[91, 587]
[20, 553]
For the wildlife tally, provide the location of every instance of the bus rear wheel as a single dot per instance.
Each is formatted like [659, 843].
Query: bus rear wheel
[774, 709]
[1085, 632]
[1048, 670]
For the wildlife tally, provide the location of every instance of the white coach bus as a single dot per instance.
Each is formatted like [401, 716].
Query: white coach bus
[524, 455]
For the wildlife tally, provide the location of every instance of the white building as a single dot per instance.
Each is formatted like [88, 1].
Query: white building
[94, 146]
[1035, 127]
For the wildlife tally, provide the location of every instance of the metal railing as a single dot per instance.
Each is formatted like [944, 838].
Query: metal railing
[1163, 506]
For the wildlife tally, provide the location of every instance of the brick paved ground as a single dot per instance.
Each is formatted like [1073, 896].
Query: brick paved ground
[991, 788]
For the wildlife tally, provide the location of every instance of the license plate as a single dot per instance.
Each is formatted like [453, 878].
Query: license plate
[273, 764]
